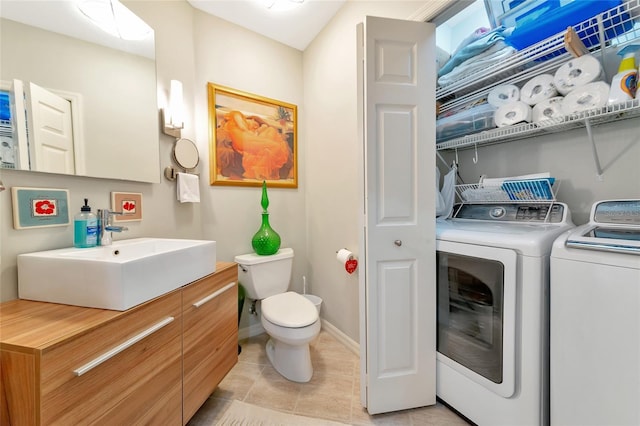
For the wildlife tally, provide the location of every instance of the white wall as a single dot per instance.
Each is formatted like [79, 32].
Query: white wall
[568, 157]
[334, 150]
[231, 56]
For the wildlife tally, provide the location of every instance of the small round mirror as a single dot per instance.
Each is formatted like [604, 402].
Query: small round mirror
[185, 152]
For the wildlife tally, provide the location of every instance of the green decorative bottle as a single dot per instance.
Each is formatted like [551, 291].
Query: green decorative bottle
[266, 241]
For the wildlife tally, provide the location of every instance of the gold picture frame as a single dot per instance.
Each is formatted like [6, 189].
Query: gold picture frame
[251, 139]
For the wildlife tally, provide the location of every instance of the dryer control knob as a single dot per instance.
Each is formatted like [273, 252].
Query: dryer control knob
[497, 212]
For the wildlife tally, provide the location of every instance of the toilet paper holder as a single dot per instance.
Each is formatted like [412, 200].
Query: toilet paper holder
[346, 257]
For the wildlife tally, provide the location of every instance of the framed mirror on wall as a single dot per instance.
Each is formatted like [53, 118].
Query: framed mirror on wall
[96, 91]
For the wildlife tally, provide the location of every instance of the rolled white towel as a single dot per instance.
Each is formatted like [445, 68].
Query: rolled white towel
[548, 109]
[586, 97]
[538, 89]
[503, 94]
[512, 113]
[577, 72]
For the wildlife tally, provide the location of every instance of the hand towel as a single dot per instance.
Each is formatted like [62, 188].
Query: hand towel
[188, 188]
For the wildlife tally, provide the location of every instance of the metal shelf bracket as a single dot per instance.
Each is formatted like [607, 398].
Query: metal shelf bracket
[594, 150]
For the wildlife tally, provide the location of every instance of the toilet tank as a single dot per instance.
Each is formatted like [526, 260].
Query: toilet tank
[264, 276]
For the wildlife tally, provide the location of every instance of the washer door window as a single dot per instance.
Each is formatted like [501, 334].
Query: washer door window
[476, 313]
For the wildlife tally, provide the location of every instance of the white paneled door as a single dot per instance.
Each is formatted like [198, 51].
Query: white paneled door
[397, 282]
[51, 131]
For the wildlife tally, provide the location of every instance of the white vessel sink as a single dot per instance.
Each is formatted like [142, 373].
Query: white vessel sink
[119, 276]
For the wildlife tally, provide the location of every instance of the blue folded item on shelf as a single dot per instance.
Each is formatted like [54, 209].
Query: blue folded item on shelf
[530, 189]
[552, 17]
[472, 49]
[5, 107]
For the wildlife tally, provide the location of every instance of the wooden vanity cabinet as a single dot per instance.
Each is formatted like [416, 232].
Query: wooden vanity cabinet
[210, 336]
[141, 384]
[70, 365]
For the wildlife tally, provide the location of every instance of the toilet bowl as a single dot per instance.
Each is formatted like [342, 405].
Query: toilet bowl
[292, 322]
[290, 319]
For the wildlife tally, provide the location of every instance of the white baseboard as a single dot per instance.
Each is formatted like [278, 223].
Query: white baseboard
[353, 346]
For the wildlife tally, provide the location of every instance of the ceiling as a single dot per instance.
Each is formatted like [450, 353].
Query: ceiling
[295, 27]
[64, 17]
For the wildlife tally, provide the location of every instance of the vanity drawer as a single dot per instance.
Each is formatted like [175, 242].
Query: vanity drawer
[210, 335]
[125, 371]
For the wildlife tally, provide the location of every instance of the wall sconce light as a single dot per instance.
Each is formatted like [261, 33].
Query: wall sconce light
[173, 114]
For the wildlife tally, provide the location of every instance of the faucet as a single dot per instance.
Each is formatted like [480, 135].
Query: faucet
[105, 227]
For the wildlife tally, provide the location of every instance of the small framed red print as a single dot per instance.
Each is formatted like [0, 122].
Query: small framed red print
[39, 207]
[129, 203]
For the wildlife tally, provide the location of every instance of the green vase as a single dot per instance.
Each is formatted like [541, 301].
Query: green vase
[266, 241]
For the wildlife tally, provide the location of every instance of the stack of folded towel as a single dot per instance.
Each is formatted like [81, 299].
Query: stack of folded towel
[480, 50]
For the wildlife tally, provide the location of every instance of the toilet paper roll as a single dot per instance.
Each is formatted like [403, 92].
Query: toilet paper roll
[344, 255]
[501, 95]
[577, 72]
[538, 89]
[583, 98]
[512, 113]
[548, 109]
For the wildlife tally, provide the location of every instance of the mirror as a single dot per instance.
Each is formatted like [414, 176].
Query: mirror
[51, 56]
[185, 153]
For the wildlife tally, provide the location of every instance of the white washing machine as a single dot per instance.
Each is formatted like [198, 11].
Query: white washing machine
[493, 276]
[595, 319]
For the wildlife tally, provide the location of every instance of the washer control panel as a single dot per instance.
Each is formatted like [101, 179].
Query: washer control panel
[619, 212]
[549, 213]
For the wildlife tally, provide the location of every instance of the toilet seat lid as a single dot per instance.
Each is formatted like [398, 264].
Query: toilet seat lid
[289, 310]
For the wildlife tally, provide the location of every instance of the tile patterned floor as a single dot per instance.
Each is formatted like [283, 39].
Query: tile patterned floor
[333, 393]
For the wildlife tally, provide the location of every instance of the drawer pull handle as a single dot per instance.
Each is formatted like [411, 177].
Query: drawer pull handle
[121, 347]
[213, 295]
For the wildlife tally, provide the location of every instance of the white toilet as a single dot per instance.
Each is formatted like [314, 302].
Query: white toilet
[290, 319]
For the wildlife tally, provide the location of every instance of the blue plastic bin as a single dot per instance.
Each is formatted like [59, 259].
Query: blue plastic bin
[551, 18]
[5, 107]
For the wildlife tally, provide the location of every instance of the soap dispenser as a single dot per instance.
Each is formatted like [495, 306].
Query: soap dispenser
[85, 226]
[623, 84]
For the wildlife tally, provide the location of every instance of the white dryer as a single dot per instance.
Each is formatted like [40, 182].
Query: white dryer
[493, 338]
[595, 319]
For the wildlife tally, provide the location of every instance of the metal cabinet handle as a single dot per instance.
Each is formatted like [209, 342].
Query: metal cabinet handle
[121, 347]
[213, 295]
[398, 242]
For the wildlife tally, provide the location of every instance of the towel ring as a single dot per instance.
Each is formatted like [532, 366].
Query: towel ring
[475, 158]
